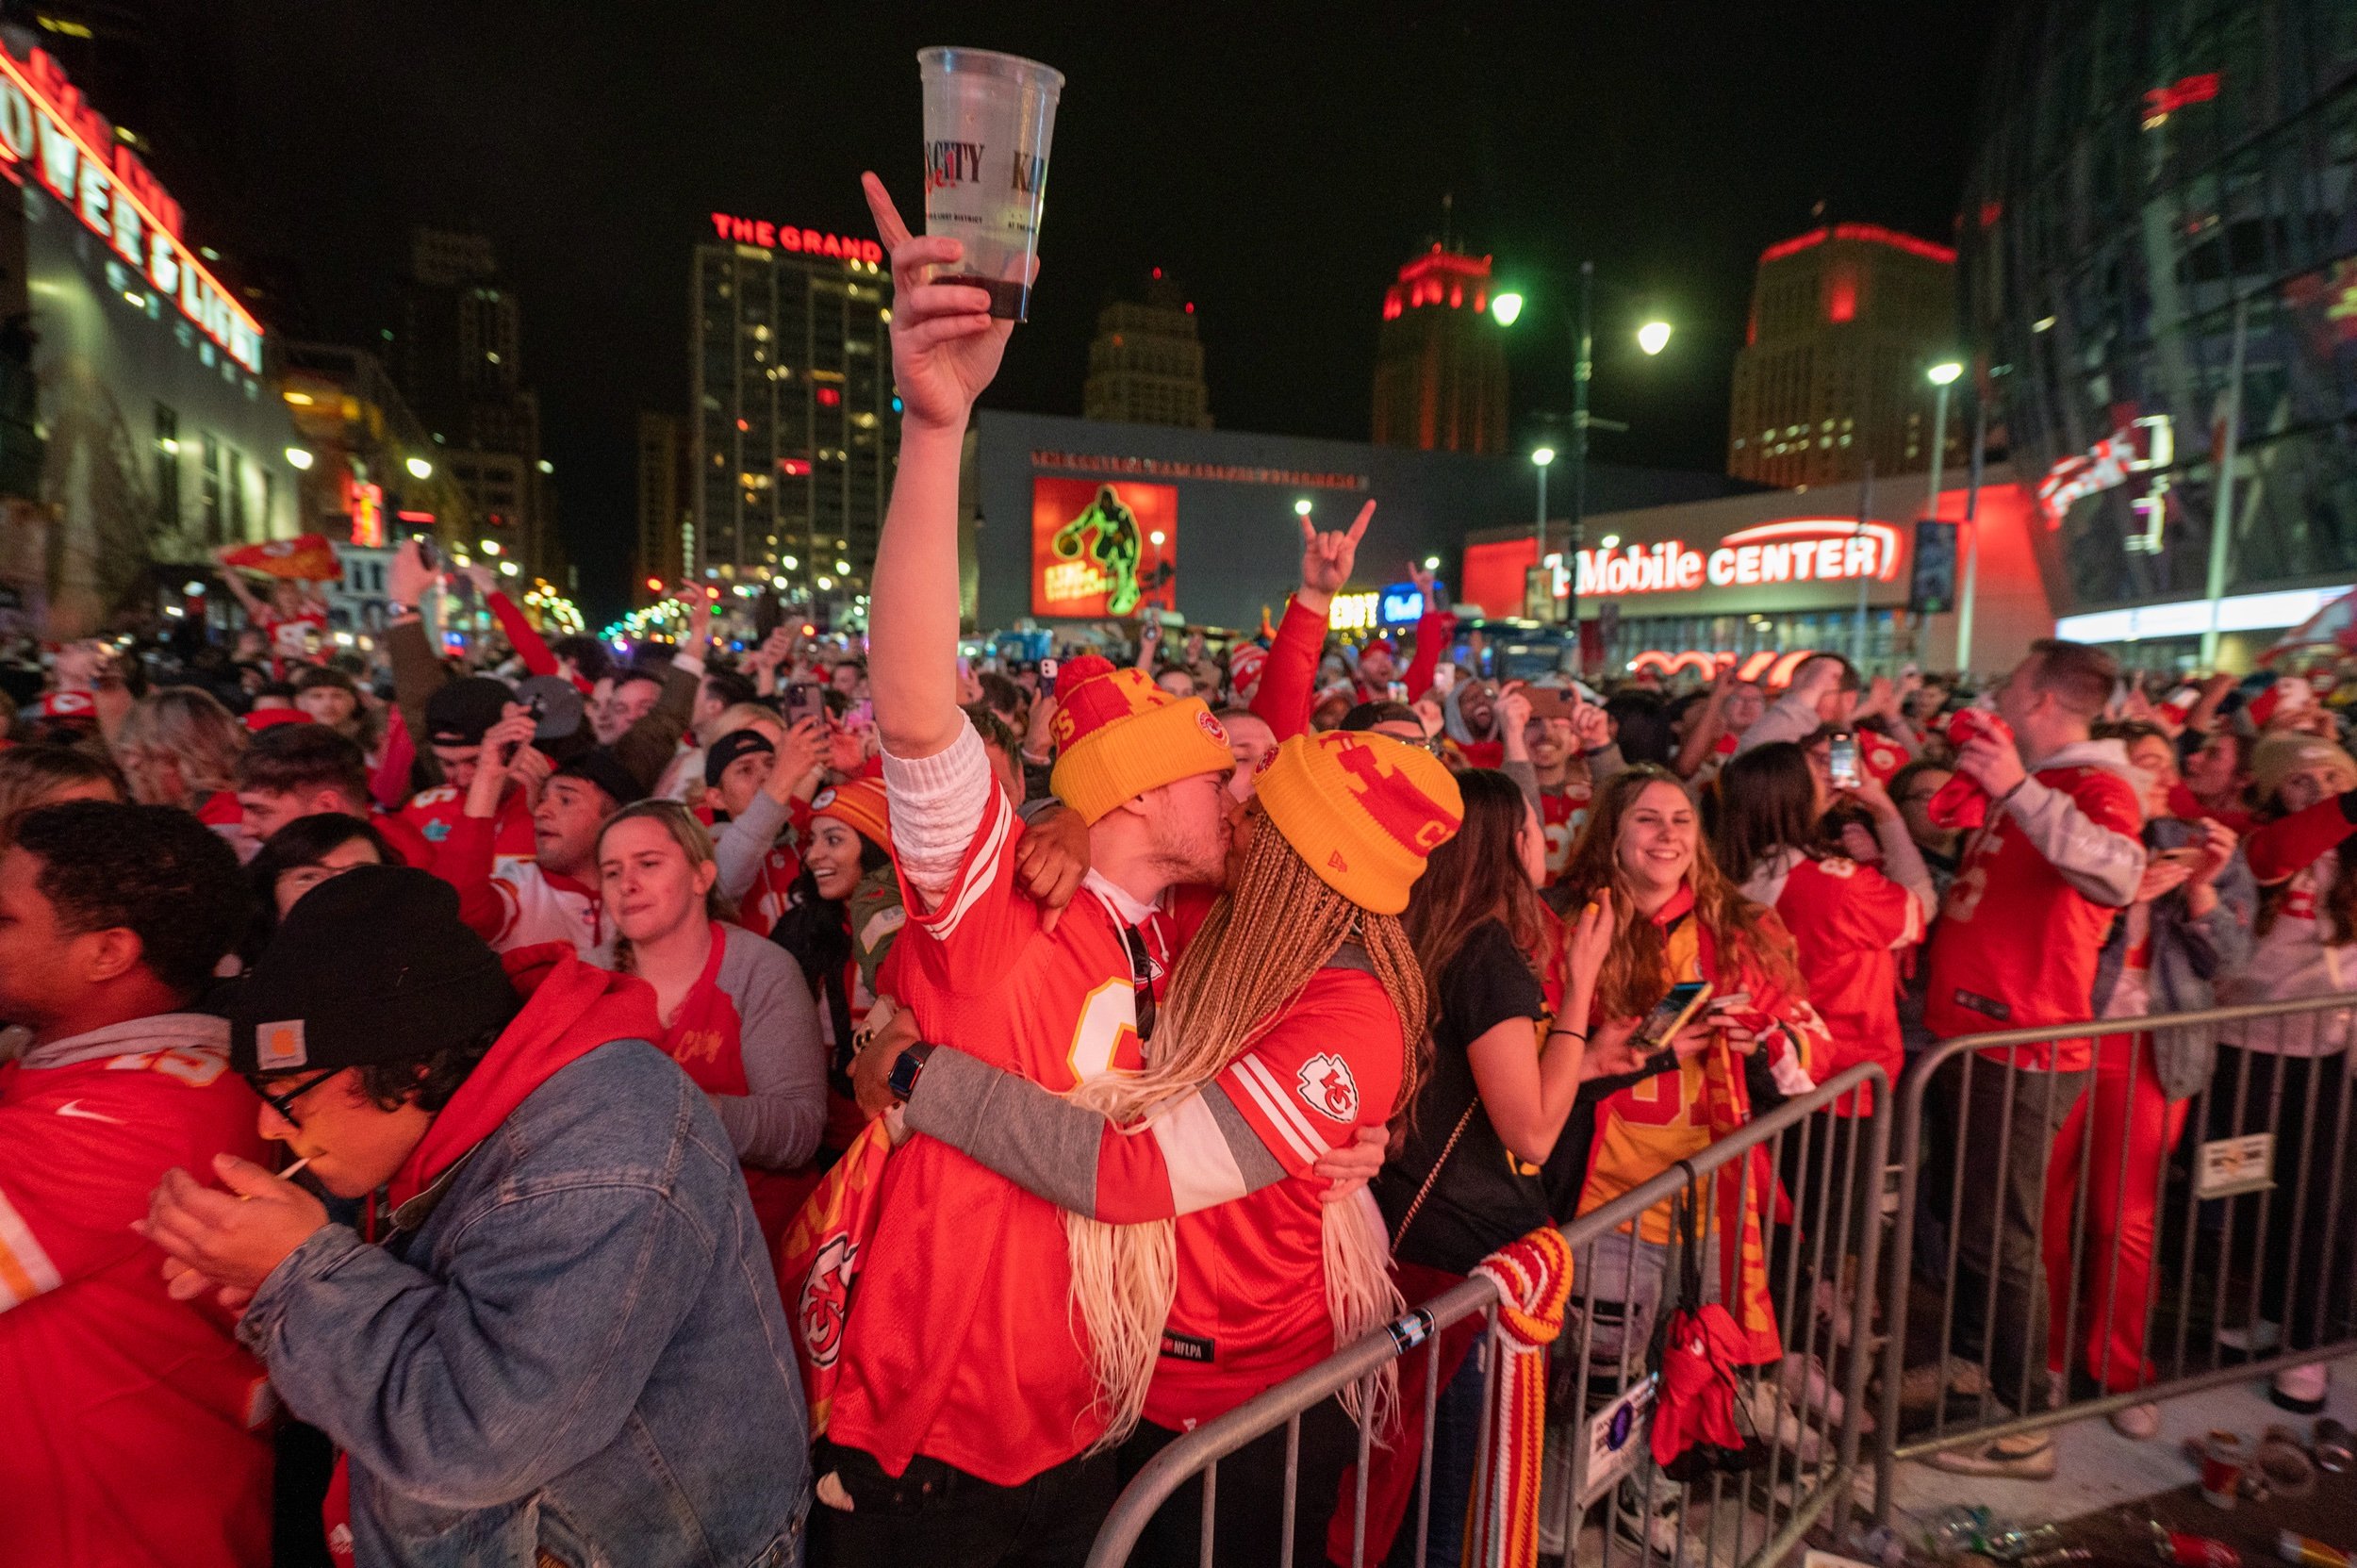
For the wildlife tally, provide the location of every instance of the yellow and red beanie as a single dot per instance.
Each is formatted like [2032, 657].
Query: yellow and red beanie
[1118, 735]
[859, 804]
[1365, 811]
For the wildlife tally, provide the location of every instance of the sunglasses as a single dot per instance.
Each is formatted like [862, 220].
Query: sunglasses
[283, 1103]
[1141, 980]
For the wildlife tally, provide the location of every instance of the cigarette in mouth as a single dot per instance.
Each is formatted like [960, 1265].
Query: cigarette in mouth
[284, 1175]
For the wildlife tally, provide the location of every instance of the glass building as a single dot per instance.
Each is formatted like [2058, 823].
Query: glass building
[2159, 274]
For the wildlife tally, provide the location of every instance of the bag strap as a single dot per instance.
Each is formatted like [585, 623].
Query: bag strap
[1433, 1174]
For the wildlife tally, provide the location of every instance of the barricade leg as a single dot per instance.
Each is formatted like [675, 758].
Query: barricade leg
[1249, 1499]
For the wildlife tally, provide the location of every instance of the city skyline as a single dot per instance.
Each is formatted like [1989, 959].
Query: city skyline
[1670, 149]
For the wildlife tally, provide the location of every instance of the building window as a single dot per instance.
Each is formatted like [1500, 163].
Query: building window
[209, 495]
[168, 465]
[234, 481]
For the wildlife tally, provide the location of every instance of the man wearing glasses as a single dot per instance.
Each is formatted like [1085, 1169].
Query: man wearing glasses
[561, 1287]
[133, 1427]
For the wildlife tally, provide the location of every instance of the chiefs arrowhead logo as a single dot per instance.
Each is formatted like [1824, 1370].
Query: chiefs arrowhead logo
[1326, 1087]
[825, 1299]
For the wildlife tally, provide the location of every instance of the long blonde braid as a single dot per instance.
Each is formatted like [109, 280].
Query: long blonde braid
[1260, 945]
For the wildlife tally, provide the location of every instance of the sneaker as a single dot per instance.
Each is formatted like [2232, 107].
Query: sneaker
[1774, 1420]
[1929, 1382]
[2302, 1389]
[2140, 1423]
[2255, 1338]
[2027, 1457]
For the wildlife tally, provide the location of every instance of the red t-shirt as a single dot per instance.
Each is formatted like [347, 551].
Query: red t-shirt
[1562, 813]
[2015, 944]
[432, 813]
[1248, 1313]
[961, 1342]
[132, 1427]
[1849, 923]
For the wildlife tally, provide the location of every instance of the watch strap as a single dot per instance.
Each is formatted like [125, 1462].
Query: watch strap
[907, 1067]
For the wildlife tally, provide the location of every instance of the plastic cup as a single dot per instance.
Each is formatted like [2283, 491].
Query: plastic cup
[989, 119]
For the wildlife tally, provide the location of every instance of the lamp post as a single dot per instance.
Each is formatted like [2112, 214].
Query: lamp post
[1942, 376]
[1540, 458]
[1652, 335]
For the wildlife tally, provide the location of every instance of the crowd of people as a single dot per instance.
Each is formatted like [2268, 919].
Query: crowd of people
[810, 1098]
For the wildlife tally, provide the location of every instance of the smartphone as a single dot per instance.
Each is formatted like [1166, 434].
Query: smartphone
[1670, 1014]
[2188, 857]
[768, 616]
[1399, 691]
[805, 699]
[1047, 677]
[1552, 701]
[1842, 761]
[536, 708]
[428, 554]
[1150, 631]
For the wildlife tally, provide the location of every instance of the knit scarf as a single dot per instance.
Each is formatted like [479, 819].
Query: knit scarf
[1533, 1281]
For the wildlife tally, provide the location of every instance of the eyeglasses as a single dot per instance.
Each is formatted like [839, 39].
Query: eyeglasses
[1141, 979]
[283, 1103]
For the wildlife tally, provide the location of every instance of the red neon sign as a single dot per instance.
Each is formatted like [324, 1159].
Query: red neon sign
[1764, 668]
[786, 237]
[366, 504]
[1792, 550]
[47, 126]
[2162, 102]
[1870, 234]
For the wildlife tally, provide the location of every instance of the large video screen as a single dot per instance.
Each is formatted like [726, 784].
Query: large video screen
[1103, 549]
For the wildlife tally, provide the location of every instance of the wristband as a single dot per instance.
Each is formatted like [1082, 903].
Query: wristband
[907, 1069]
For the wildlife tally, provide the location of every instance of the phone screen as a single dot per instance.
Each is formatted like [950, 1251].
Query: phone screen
[1047, 677]
[1669, 1015]
[1842, 762]
[805, 699]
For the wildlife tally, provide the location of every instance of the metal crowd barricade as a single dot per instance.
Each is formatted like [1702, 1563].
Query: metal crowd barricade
[1804, 1411]
[2214, 1241]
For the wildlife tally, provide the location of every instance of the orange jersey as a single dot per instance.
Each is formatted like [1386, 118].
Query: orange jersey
[1848, 924]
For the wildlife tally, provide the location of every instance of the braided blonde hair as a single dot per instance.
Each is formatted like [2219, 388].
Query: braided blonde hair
[1260, 945]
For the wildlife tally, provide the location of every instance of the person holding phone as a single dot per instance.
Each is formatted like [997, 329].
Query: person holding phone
[2187, 927]
[1568, 744]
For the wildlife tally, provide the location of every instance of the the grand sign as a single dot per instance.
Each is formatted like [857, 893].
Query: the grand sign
[786, 237]
[1792, 550]
[49, 131]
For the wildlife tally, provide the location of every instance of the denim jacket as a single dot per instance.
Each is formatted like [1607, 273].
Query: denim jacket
[571, 1343]
[2188, 958]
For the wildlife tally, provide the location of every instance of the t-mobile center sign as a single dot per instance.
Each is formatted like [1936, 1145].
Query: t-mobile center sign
[1792, 550]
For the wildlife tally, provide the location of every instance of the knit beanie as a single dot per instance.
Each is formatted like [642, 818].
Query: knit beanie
[1118, 735]
[2278, 757]
[1244, 662]
[1362, 810]
[859, 804]
[372, 965]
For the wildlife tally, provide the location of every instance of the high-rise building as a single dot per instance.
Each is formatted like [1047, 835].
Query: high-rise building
[1845, 319]
[1146, 366]
[795, 428]
[459, 360]
[666, 518]
[1439, 366]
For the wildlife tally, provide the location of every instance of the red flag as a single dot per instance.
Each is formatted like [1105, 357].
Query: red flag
[310, 558]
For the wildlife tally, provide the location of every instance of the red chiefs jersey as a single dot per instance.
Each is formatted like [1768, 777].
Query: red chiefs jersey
[1562, 813]
[2015, 944]
[131, 1425]
[1248, 1314]
[432, 813]
[961, 1344]
[1849, 923]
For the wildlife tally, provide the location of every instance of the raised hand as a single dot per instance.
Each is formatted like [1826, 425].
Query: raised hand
[1327, 559]
[945, 345]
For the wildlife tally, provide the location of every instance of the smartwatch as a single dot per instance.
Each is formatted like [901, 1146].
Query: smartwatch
[905, 1069]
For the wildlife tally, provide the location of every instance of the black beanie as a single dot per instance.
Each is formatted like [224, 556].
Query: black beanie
[730, 747]
[460, 711]
[372, 965]
[600, 769]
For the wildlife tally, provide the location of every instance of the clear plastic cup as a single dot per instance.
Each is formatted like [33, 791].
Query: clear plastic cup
[988, 121]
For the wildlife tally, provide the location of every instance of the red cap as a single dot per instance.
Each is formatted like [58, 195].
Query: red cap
[269, 718]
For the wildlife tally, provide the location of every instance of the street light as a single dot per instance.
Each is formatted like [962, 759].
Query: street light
[1506, 307]
[1301, 507]
[299, 456]
[1653, 337]
[1540, 458]
[419, 469]
[1942, 376]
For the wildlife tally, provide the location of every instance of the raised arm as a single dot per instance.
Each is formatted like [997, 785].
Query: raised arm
[1433, 630]
[1289, 677]
[945, 347]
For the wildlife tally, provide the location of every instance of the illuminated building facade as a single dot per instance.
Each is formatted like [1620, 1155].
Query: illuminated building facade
[666, 517]
[1440, 367]
[138, 427]
[793, 429]
[2156, 201]
[1844, 321]
[1146, 366]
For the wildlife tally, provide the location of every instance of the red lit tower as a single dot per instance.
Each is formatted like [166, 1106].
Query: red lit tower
[1440, 367]
[1845, 319]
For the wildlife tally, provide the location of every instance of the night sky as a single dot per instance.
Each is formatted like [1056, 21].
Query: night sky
[1282, 168]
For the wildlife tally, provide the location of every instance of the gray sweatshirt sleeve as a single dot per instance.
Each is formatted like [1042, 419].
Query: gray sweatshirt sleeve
[1791, 719]
[775, 1126]
[744, 842]
[1526, 778]
[1902, 863]
[2103, 864]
